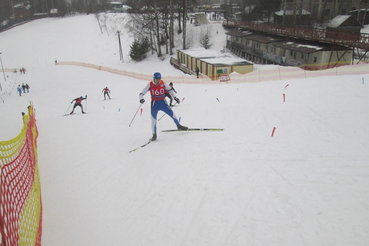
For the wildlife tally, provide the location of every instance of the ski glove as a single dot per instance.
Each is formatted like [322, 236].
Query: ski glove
[177, 100]
[142, 101]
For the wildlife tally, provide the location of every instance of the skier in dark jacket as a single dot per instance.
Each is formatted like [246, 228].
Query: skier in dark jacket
[78, 102]
[167, 94]
[106, 92]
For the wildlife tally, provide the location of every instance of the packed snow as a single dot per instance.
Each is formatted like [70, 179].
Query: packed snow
[306, 185]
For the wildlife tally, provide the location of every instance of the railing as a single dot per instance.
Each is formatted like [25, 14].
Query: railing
[344, 38]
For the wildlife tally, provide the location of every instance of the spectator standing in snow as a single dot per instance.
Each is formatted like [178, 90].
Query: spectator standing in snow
[157, 89]
[78, 102]
[197, 72]
[27, 87]
[23, 88]
[106, 92]
[19, 89]
[167, 94]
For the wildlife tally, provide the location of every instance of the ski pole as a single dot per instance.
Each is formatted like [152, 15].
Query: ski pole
[99, 96]
[165, 113]
[135, 115]
[86, 104]
[68, 108]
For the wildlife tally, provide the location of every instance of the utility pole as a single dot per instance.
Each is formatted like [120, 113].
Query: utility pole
[2, 66]
[120, 47]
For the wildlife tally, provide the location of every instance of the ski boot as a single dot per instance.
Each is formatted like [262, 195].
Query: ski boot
[182, 128]
[154, 136]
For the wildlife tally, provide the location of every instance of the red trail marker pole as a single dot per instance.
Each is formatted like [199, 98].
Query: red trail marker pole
[273, 131]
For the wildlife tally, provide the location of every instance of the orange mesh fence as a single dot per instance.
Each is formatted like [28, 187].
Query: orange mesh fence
[20, 197]
[279, 73]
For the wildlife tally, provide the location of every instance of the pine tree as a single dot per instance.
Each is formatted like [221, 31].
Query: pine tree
[139, 49]
[135, 52]
[205, 41]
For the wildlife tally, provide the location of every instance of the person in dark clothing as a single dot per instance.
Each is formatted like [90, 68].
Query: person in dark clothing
[78, 102]
[27, 87]
[197, 72]
[106, 92]
[167, 94]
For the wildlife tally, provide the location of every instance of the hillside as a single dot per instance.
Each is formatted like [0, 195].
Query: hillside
[306, 185]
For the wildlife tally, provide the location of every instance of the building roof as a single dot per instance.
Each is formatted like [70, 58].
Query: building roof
[344, 21]
[291, 12]
[256, 37]
[238, 33]
[201, 53]
[264, 39]
[300, 46]
[307, 47]
[338, 20]
[226, 61]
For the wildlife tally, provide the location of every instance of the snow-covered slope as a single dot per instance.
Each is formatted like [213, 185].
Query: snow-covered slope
[307, 185]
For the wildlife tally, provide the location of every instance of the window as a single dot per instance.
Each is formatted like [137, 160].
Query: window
[257, 45]
[315, 58]
[291, 52]
[302, 56]
[225, 70]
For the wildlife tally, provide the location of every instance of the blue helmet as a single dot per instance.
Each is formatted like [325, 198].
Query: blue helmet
[81, 97]
[157, 75]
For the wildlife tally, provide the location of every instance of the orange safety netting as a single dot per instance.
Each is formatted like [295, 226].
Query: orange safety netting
[279, 73]
[20, 191]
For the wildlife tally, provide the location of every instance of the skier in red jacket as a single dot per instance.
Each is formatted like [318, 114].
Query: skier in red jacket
[78, 102]
[157, 88]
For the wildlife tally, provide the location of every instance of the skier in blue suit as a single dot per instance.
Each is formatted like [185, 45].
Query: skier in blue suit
[157, 89]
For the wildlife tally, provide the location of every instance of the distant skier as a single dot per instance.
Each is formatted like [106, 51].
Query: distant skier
[19, 89]
[157, 89]
[106, 93]
[78, 102]
[167, 94]
[23, 88]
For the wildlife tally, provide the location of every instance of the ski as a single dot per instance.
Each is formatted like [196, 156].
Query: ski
[194, 129]
[73, 114]
[141, 146]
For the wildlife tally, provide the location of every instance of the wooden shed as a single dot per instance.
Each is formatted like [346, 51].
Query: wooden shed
[215, 67]
[191, 57]
[212, 63]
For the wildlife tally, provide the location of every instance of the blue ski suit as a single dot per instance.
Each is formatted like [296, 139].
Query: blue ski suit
[158, 102]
